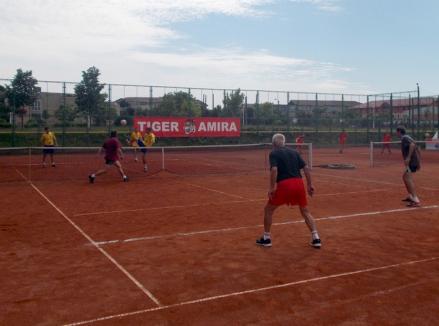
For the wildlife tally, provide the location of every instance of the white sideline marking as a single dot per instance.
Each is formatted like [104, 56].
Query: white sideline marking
[85, 235]
[169, 207]
[267, 288]
[184, 234]
[214, 190]
[372, 181]
[216, 203]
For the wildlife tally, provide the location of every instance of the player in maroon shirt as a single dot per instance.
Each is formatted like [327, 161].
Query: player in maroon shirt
[113, 155]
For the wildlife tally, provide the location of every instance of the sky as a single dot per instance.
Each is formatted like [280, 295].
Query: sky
[333, 46]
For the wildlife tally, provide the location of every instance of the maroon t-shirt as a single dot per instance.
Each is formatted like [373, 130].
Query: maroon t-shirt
[111, 147]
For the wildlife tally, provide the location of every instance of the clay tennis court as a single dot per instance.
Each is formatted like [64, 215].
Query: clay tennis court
[177, 247]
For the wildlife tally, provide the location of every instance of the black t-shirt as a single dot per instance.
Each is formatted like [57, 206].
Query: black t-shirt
[405, 147]
[288, 163]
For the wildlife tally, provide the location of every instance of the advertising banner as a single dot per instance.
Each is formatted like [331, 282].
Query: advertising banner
[189, 127]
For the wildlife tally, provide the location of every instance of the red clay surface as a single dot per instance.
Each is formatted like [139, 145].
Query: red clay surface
[190, 242]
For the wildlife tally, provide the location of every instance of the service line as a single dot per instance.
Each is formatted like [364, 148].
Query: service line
[263, 289]
[335, 217]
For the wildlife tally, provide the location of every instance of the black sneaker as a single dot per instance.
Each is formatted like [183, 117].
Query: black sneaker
[125, 178]
[91, 179]
[408, 199]
[263, 242]
[316, 243]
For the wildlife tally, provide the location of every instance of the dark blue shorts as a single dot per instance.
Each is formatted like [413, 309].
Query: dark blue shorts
[144, 150]
[109, 162]
[48, 149]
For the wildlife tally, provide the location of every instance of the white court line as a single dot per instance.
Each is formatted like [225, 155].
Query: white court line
[215, 203]
[85, 235]
[372, 181]
[184, 234]
[214, 190]
[169, 207]
[267, 288]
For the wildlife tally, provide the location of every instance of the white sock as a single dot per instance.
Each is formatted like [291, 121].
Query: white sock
[267, 235]
[415, 199]
[315, 235]
[93, 175]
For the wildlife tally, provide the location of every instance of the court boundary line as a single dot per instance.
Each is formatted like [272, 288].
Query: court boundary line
[371, 181]
[94, 243]
[217, 203]
[335, 217]
[262, 289]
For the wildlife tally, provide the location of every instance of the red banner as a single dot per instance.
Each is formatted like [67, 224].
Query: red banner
[189, 127]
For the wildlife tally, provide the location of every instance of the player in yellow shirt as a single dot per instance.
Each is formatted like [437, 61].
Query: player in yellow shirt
[147, 141]
[48, 140]
[134, 139]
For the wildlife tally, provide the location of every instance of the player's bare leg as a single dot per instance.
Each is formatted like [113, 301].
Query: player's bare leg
[145, 166]
[265, 240]
[51, 160]
[120, 169]
[410, 186]
[309, 220]
[44, 160]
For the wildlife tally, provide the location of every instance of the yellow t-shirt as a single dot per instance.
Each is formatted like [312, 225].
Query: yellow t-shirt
[149, 139]
[48, 139]
[135, 136]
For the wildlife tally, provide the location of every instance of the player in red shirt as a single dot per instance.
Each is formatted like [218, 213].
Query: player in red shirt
[113, 155]
[342, 140]
[300, 140]
[386, 143]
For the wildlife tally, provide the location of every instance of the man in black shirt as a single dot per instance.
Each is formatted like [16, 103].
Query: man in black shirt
[286, 187]
[412, 162]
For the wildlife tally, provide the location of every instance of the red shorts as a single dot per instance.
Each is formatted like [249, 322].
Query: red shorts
[291, 192]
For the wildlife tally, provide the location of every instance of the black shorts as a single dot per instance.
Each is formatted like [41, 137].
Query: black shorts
[413, 168]
[144, 150]
[48, 149]
[109, 162]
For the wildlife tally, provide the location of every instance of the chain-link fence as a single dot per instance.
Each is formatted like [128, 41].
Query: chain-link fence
[56, 107]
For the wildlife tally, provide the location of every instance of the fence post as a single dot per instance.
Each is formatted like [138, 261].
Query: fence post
[109, 109]
[391, 114]
[64, 114]
[367, 118]
[419, 113]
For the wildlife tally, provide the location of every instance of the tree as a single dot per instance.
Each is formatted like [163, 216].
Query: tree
[4, 110]
[89, 100]
[233, 103]
[66, 114]
[22, 92]
[264, 113]
[178, 104]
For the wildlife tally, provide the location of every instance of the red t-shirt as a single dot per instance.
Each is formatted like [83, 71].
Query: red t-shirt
[387, 138]
[342, 138]
[111, 147]
[299, 140]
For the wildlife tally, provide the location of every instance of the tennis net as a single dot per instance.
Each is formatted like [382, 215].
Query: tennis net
[76, 163]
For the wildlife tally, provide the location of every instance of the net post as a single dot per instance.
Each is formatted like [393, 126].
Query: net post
[371, 154]
[163, 158]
